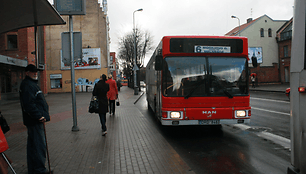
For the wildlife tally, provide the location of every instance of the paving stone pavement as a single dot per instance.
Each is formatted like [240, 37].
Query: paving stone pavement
[132, 144]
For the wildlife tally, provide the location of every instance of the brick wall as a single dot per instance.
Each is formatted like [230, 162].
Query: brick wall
[113, 54]
[284, 61]
[266, 74]
[26, 45]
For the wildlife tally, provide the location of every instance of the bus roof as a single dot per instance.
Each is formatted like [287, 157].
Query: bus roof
[204, 46]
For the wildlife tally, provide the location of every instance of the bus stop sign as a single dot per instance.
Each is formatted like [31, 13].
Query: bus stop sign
[70, 7]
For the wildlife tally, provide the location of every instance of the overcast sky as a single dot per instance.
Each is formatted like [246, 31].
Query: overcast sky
[189, 17]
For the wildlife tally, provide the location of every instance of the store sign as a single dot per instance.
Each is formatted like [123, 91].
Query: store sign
[255, 52]
[91, 59]
[13, 61]
[55, 76]
[70, 7]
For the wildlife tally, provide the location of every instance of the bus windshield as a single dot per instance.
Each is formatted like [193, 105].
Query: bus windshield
[204, 76]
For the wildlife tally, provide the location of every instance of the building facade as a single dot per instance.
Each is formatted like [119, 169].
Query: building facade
[284, 39]
[113, 68]
[17, 50]
[261, 34]
[95, 54]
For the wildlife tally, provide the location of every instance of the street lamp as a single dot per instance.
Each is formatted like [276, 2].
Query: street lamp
[135, 65]
[238, 21]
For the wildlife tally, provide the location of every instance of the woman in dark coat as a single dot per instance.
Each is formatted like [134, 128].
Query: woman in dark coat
[100, 90]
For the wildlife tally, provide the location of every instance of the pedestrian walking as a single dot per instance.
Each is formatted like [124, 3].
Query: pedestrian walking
[112, 94]
[100, 90]
[119, 84]
[35, 112]
[253, 81]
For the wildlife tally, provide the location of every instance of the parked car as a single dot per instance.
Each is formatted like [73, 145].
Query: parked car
[287, 92]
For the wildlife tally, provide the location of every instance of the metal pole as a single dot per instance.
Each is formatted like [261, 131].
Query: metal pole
[75, 123]
[8, 162]
[239, 25]
[135, 56]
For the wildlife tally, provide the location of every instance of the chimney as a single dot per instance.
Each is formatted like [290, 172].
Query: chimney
[249, 20]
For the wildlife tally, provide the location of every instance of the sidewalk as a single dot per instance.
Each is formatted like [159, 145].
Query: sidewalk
[132, 144]
[271, 87]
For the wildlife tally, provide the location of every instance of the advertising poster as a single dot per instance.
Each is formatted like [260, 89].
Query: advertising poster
[257, 52]
[91, 59]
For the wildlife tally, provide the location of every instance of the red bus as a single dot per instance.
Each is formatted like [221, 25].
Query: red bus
[199, 80]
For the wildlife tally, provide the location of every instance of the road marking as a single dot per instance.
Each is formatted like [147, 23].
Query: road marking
[286, 143]
[279, 101]
[283, 113]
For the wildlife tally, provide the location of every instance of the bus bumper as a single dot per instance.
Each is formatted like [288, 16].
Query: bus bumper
[196, 122]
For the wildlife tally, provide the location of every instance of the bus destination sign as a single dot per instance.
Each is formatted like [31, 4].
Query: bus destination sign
[212, 49]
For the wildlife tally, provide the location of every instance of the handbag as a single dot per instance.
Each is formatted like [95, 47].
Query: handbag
[118, 102]
[4, 126]
[93, 105]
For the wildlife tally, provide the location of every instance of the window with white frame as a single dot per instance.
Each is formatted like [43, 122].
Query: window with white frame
[56, 81]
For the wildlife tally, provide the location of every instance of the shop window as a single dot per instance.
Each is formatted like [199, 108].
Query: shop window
[270, 32]
[262, 32]
[56, 81]
[12, 42]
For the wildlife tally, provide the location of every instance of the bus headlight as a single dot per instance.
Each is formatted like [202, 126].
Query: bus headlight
[175, 115]
[240, 113]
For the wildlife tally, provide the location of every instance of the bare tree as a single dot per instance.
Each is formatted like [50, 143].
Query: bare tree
[144, 42]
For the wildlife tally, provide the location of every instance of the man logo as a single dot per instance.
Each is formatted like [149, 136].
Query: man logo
[209, 112]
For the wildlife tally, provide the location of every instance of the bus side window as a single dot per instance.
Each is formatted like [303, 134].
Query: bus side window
[158, 63]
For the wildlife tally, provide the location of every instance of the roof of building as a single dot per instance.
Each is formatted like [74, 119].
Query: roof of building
[283, 27]
[235, 31]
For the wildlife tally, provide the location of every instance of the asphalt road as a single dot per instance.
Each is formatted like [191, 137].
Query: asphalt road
[234, 149]
[271, 112]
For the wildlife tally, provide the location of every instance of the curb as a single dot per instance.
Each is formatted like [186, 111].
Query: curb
[264, 90]
[139, 97]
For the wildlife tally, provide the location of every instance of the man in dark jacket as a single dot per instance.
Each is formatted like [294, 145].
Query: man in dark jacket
[35, 111]
[100, 90]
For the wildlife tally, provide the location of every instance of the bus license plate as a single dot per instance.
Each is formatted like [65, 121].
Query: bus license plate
[208, 122]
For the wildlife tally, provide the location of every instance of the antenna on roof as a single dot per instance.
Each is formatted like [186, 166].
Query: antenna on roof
[251, 12]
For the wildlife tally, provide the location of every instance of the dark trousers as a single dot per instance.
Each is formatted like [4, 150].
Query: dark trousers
[253, 84]
[111, 106]
[36, 149]
[103, 121]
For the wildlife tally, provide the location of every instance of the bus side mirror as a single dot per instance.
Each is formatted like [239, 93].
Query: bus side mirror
[158, 63]
[254, 61]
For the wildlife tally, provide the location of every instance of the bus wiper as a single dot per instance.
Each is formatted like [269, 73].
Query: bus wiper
[227, 93]
[197, 85]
